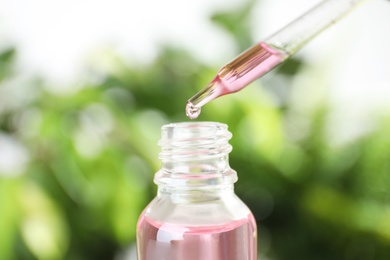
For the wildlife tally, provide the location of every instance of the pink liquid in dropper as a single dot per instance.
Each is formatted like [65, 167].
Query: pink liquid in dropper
[232, 241]
[249, 66]
[236, 75]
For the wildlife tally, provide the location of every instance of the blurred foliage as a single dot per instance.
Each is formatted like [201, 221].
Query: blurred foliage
[76, 169]
[237, 23]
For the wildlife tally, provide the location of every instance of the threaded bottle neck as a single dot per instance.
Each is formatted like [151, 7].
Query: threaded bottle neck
[195, 154]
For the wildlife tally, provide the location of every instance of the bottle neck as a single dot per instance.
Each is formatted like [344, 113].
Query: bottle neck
[196, 194]
[195, 159]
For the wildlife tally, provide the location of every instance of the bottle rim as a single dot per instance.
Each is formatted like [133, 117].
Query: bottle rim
[185, 140]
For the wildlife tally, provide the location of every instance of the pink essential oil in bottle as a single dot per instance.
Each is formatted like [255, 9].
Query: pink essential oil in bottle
[196, 215]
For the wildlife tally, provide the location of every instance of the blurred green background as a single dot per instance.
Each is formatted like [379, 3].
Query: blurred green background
[77, 169]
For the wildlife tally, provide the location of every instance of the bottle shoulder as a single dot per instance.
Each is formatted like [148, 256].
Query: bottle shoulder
[213, 211]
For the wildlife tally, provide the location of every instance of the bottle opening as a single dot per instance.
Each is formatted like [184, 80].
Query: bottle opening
[194, 140]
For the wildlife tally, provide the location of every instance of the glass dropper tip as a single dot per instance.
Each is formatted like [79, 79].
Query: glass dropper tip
[192, 111]
[210, 92]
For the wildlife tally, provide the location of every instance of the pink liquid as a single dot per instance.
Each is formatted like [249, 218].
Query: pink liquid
[249, 66]
[236, 240]
[236, 75]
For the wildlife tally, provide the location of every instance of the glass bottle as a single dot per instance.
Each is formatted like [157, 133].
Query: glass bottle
[196, 215]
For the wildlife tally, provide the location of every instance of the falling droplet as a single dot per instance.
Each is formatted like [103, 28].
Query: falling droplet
[192, 111]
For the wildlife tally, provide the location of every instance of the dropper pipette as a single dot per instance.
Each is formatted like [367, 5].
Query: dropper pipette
[266, 55]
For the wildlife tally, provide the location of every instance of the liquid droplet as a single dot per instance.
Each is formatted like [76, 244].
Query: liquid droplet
[192, 111]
